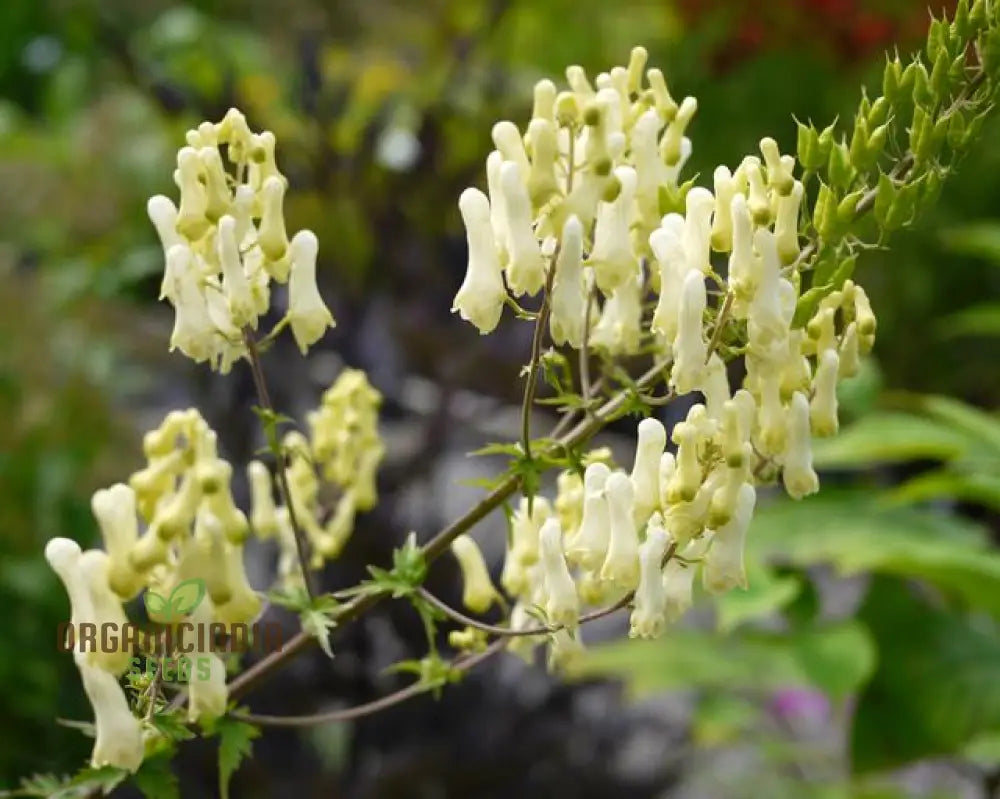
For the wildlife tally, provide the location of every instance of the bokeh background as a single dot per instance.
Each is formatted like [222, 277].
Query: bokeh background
[864, 661]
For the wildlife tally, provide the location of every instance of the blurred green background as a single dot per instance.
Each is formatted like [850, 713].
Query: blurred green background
[864, 661]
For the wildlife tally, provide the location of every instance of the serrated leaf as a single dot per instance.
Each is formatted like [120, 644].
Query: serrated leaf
[235, 744]
[318, 624]
[156, 779]
[499, 448]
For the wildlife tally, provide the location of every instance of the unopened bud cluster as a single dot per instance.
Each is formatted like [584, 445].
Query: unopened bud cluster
[226, 242]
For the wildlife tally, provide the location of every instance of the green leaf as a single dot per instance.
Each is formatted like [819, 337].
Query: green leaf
[979, 425]
[835, 659]
[977, 320]
[980, 240]
[156, 780]
[889, 437]
[185, 597]
[765, 595]
[935, 689]
[86, 783]
[235, 744]
[317, 622]
[974, 487]
[856, 533]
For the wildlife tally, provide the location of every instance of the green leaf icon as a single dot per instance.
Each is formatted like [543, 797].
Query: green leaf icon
[156, 605]
[186, 596]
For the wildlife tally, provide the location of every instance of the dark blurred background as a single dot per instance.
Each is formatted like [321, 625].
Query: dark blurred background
[864, 661]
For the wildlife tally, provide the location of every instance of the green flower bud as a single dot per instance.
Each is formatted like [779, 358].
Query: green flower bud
[876, 142]
[960, 26]
[940, 75]
[859, 144]
[841, 172]
[885, 196]
[879, 112]
[977, 15]
[847, 208]
[567, 110]
[825, 214]
[808, 147]
[826, 140]
[891, 80]
[933, 182]
[937, 40]
[922, 93]
[921, 134]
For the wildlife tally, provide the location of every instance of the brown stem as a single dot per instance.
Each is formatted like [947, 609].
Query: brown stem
[264, 398]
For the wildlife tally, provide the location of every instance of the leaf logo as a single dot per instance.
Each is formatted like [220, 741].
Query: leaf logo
[185, 597]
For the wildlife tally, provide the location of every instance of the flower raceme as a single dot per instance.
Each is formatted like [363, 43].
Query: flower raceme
[226, 242]
[585, 207]
[175, 520]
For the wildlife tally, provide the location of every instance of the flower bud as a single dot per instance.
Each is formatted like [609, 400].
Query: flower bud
[850, 363]
[263, 519]
[689, 347]
[307, 313]
[118, 738]
[612, 258]
[715, 386]
[757, 201]
[480, 299]
[271, 234]
[668, 249]
[192, 222]
[786, 224]
[562, 605]
[648, 614]
[590, 545]
[670, 144]
[565, 651]
[808, 148]
[722, 220]
[163, 214]
[234, 280]
[652, 439]
[193, 333]
[526, 269]
[115, 511]
[779, 177]
[823, 407]
[686, 477]
[478, 593]
[698, 230]
[569, 297]
[799, 478]
[507, 139]
[724, 568]
[621, 564]
[678, 579]
[542, 183]
[207, 693]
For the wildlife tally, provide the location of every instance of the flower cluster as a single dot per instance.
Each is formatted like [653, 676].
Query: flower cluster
[226, 241]
[580, 205]
[343, 451]
[193, 530]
